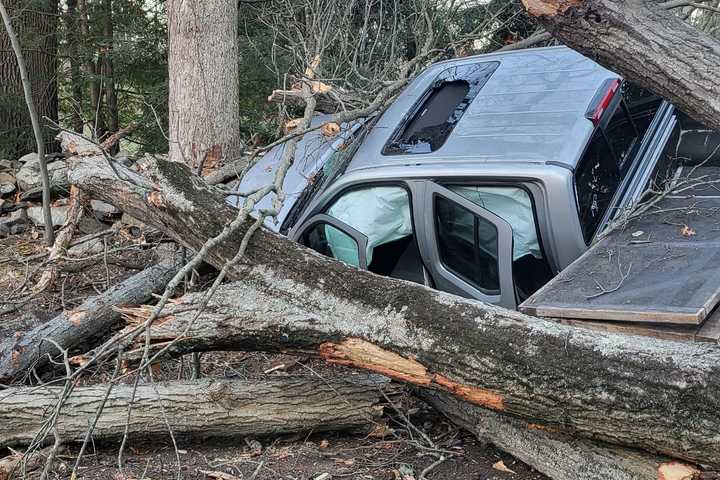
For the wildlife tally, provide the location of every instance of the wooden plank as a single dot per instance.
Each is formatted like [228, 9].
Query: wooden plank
[663, 268]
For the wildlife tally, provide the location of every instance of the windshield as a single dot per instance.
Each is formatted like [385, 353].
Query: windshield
[332, 168]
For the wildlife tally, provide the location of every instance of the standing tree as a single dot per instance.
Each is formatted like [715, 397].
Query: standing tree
[204, 83]
[27, 85]
[35, 22]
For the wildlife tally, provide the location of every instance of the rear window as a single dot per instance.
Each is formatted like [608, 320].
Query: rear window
[596, 181]
[609, 155]
[437, 111]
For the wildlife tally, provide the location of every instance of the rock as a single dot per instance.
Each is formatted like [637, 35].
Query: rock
[14, 223]
[132, 221]
[104, 210]
[18, 216]
[18, 229]
[124, 158]
[27, 158]
[7, 183]
[28, 177]
[59, 215]
[88, 225]
[8, 165]
[91, 247]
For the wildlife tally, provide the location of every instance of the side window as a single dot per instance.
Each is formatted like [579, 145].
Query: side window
[467, 245]
[596, 180]
[514, 205]
[382, 214]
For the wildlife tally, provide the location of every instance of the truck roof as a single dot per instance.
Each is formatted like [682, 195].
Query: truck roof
[531, 109]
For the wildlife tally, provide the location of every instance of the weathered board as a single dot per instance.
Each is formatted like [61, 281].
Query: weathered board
[661, 268]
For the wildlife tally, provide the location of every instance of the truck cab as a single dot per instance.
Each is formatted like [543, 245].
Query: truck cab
[485, 178]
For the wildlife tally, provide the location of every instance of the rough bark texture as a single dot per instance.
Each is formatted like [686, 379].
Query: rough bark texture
[657, 395]
[36, 27]
[84, 325]
[228, 172]
[556, 455]
[646, 44]
[204, 81]
[201, 409]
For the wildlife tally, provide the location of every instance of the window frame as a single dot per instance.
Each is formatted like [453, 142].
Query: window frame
[319, 211]
[360, 238]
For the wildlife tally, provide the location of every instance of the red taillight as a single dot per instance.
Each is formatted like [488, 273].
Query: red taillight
[602, 101]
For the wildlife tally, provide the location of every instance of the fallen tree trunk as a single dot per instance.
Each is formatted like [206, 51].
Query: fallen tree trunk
[550, 452]
[227, 172]
[84, 325]
[201, 409]
[660, 396]
[644, 42]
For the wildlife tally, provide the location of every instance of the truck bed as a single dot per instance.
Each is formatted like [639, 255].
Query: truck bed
[657, 274]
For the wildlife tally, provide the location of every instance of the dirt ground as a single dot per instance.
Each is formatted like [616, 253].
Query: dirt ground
[399, 455]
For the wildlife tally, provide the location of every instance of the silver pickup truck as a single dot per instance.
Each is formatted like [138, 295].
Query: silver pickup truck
[486, 177]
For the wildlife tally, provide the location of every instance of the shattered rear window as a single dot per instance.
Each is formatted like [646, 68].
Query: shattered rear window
[439, 109]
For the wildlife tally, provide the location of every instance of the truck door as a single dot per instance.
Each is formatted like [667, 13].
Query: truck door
[467, 249]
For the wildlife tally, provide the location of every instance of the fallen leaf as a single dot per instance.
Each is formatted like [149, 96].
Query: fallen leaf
[330, 130]
[500, 467]
[324, 444]
[686, 231]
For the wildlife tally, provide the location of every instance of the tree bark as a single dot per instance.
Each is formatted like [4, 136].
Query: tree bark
[204, 82]
[84, 326]
[113, 116]
[200, 409]
[227, 172]
[556, 455]
[37, 29]
[74, 49]
[646, 44]
[30, 102]
[90, 68]
[660, 396]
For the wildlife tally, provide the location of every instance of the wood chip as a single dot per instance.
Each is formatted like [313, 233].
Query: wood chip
[500, 467]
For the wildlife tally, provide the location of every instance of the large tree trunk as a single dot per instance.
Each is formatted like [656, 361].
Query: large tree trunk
[74, 49]
[556, 455]
[657, 395]
[113, 116]
[85, 325]
[204, 82]
[36, 28]
[644, 42]
[90, 68]
[201, 409]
